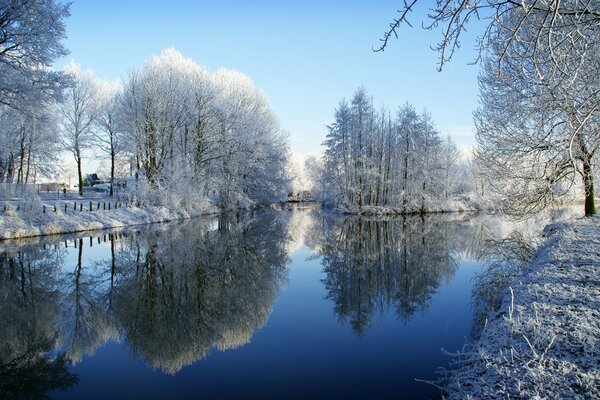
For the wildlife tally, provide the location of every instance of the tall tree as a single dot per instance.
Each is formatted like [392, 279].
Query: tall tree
[372, 159]
[108, 136]
[28, 147]
[537, 127]
[31, 32]
[79, 109]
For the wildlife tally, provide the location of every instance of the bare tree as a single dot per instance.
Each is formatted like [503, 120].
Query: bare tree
[537, 129]
[570, 24]
[108, 136]
[79, 109]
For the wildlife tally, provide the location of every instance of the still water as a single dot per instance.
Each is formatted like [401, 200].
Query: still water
[293, 303]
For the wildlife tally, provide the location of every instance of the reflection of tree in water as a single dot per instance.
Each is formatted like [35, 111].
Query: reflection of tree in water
[172, 293]
[372, 264]
[84, 321]
[28, 309]
[505, 260]
[192, 290]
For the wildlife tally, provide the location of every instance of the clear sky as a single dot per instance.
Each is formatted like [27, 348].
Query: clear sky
[306, 55]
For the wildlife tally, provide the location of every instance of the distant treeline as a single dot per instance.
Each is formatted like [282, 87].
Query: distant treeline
[385, 159]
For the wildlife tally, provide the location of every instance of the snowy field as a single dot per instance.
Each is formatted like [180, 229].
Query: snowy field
[544, 343]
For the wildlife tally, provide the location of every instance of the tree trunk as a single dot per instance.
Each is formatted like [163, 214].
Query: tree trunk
[112, 171]
[405, 180]
[10, 170]
[588, 183]
[79, 174]
[28, 163]
[20, 172]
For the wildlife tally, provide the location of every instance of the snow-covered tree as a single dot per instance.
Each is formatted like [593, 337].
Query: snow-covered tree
[78, 111]
[538, 123]
[108, 136]
[31, 32]
[28, 147]
[214, 130]
[452, 175]
[372, 159]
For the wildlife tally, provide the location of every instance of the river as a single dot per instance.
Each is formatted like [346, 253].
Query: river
[290, 303]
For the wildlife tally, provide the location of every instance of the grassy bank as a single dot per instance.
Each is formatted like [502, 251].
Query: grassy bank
[545, 341]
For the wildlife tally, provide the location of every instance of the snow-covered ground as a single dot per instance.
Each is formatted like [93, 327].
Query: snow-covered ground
[33, 222]
[545, 341]
[440, 207]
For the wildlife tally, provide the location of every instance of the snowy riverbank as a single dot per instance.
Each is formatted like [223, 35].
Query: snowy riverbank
[442, 207]
[19, 224]
[545, 341]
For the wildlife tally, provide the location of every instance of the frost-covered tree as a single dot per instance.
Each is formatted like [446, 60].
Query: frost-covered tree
[313, 165]
[28, 147]
[372, 159]
[31, 32]
[78, 111]
[215, 131]
[538, 123]
[570, 26]
[108, 136]
[454, 177]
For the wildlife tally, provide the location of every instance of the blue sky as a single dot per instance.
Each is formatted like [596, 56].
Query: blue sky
[306, 55]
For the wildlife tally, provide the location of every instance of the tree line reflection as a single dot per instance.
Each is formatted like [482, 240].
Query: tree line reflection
[374, 264]
[172, 295]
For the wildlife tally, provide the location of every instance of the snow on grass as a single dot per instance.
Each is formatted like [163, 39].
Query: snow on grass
[17, 224]
[430, 207]
[545, 341]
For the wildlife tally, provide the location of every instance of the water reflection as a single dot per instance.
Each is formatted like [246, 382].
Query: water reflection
[183, 299]
[29, 305]
[505, 260]
[374, 264]
[506, 248]
[171, 294]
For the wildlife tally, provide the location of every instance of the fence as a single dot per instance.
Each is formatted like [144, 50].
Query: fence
[67, 207]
